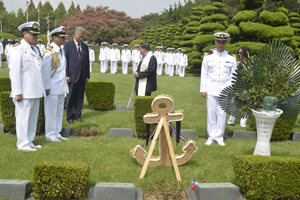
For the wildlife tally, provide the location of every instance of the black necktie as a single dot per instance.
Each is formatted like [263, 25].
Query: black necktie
[79, 51]
[32, 49]
[60, 51]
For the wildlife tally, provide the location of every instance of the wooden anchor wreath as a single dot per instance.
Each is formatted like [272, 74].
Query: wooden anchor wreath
[162, 107]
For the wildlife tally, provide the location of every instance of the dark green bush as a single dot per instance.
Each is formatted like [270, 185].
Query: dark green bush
[294, 19]
[196, 62]
[293, 14]
[194, 23]
[8, 112]
[191, 30]
[142, 106]
[267, 177]
[204, 40]
[210, 8]
[195, 18]
[177, 37]
[283, 10]
[187, 43]
[60, 180]
[274, 19]
[210, 27]
[187, 49]
[296, 25]
[189, 36]
[208, 48]
[213, 18]
[5, 85]
[233, 30]
[196, 54]
[197, 8]
[197, 13]
[100, 95]
[218, 4]
[254, 46]
[245, 16]
[282, 128]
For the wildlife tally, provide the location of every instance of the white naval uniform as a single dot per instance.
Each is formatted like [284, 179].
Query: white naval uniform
[6, 52]
[54, 102]
[136, 57]
[182, 64]
[103, 59]
[1, 52]
[216, 74]
[178, 57]
[172, 62]
[92, 58]
[160, 62]
[166, 61]
[126, 55]
[41, 47]
[114, 58]
[26, 80]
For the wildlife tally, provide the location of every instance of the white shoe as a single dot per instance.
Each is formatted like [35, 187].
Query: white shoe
[221, 143]
[26, 149]
[53, 140]
[35, 146]
[63, 138]
[209, 142]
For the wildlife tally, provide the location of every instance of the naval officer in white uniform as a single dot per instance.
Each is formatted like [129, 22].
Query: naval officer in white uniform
[216, 74]
[114, 54]
[26, 85]
[55, 85]
[126, 55]
[41, 46]
[103, 58]
[92, 56]
[7, 49]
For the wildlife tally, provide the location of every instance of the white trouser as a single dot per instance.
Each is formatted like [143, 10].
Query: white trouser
[113, 67]
[181, 71]
[106, 65]
[54, 110]
[103, 67]
[91, 64]
[243, 121]
[125, 67]
[177, 69]
[134, 66]
[166, 69]
[26, 113]
[216, 118]
[0, 60]
[171, 70]
[159, 69]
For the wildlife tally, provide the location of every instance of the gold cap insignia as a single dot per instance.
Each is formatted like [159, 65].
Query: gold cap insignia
[222, 36]
[35, 26]
[64, 31]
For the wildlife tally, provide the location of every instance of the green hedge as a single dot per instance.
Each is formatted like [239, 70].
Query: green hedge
[100, 95]
[195, 18]
[293, 14]
[218, 4]
[213, 18]
[294, 19]
[189, 36]
[267, 177]
[197, 13]
[283, 10]
[210, 8]
[187, 43]
[254, 46]
[204, 40]
[193, 23]
[197, 8]
[142, 106]
[274, 19]
[282, 128]
[233, 30]
[210, 27]
[296, 25]
[245, 16]
[209, 47]
[60, 180]
[191, 30]
[5, 85]
[177, 37]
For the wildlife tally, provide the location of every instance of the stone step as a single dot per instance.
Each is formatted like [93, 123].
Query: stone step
[242, 134]
[123, 108]
[1, 128]
[295, 136]
[15, 189]
[120, 132]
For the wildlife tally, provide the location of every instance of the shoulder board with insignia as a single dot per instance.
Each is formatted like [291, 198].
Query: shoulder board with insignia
[207, 54]
[231, 54]
[49, 48]
[16, 44]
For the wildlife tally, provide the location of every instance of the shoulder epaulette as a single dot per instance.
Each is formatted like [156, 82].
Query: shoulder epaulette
[210, 52]
[16, 44]
[231, 54]
[49, 48]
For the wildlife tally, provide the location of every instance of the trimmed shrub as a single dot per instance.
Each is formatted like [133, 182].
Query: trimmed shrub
[283, 10]
[5, 85]
[60, 180]
[187, 43]
[218, 4]
[189, 36]
[208, 48]
[274, 19]
[8, 112]
[194, 23]
[187, 49]
[197, 13]
[282, 128]
[213, 18]
[100, 95]
[296, 25]
[294, 19]
[233, 30]
[244, 16]
[197, 8]
[254, 46]
[293, 14]
[196, 62]
[191, 30]
[267, 177]
[210, 8]
[210, 27]
[196, 54]
[142, 106]
[177, 37]
[195, 18]
[9, 36]
[204, 40]
[40, 129]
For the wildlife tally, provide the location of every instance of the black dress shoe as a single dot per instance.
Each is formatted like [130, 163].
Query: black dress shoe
[70, 121]
[79, 119]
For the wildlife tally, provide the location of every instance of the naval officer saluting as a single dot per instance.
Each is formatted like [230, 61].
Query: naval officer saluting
[55, 85]
[26, 85]
[216, 74]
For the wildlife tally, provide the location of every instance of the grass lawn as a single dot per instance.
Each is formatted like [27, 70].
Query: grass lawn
[110, 158]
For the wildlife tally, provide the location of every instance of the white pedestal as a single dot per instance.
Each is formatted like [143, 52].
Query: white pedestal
[264, 124]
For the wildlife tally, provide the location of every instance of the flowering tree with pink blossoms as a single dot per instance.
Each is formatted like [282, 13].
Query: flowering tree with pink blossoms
[102, 24]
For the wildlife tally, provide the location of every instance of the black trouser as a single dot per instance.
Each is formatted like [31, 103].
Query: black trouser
[75, 99]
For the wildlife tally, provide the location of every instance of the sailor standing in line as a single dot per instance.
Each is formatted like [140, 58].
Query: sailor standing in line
[126, 55]
[216, 74]
[107, 55]
[178, 57]
[103, 58]
[41, 46]
[182, 63]
[114, 58]
[136, 58]
[7, 49]
[166, 61]
[55, 85]
[172, 62]
[92, 56]
[26, 85]
[1, 52]
[160, 61]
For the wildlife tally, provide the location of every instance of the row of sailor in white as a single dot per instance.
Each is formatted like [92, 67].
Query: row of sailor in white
[104, 57]
[183, 62]
[1, 52]
[114, 58]
[92, 56]
[126, 57]
[54, 79]
[7, 49]
[41, 46]
[135, 57]
[177, 57]
[26, 80]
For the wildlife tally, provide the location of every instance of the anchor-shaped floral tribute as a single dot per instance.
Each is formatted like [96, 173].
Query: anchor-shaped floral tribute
[162, 107]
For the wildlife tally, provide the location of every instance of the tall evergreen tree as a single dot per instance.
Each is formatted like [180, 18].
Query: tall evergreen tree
[72, 10]
[46, 10]
[60, 13]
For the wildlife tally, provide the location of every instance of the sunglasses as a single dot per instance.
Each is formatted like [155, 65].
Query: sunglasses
[240, 52]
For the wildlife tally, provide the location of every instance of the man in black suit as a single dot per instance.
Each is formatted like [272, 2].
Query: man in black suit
[77, 72]
[146, 72]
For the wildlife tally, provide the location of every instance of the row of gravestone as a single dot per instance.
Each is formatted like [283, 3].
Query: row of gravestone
[22, 189]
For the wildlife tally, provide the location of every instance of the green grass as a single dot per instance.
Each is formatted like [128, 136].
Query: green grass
[110, 158]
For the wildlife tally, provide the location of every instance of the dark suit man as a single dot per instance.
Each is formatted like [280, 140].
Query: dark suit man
[146, 70]
[77, 72]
